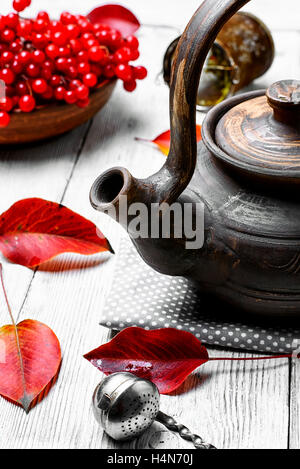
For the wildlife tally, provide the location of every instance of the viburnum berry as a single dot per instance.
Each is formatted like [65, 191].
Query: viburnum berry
[38, 56]
[39, 86]
[27, 103]
[140, 73]
[90, 80]
[132, 42]
[33, 70]
[70, 97]
[8, 35]
[12, 20]
[59, 93]
[4, 119]
[130, 85]
[21, 5]
[124, 72]
[7, 76]
[6, 104]
[82, 92]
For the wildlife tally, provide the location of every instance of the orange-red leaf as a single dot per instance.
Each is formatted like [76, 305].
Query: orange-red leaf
[34, 230]
[163, 140]
[115, 16]
[30, 358]
[164, 356]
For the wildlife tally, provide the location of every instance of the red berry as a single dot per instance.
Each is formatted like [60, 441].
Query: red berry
[130, 85]
[59, 38]
[124, 72]
[21, 88]
[39, 40]
[135, 55]
[140, 73]
[82, 92]
[16, 67]
[7, 76]
[109, 71]
[73, 31]
[83, 67]
[70, 97]
[16, 46]
[40, 25]
[67, 18]
[4, 119]
[20, 5]
[8, 35]
[24, 57]
[75, 46]
[33, 70]
[96, 53]
[122, 55]
[61, 64]
[2, 22]
[38, 56]
[6, 57]
[90, 80]
[39, 86]
[24, 28]
[52, 51]
[27, 103]
[55, 80]
[71, 72]
[48, 93]
[43, 15]
[59, 93]
[12, 20]
[132, 42]
[6, 104]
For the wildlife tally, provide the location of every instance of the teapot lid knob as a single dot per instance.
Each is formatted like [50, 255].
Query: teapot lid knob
[284, 97]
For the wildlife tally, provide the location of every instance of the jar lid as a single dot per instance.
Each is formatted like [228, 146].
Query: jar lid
[262, 134]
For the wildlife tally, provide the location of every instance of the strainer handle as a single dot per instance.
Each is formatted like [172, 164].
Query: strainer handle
[183, 431]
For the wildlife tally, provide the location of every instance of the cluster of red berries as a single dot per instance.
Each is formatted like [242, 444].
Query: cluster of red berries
[43, 60]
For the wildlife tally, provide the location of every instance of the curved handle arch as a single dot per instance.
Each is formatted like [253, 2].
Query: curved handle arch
[189, 60]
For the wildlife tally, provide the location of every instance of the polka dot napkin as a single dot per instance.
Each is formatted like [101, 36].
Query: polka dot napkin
[142, 297]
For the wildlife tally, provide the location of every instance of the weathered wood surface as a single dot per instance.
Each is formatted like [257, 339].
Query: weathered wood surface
[232, 404]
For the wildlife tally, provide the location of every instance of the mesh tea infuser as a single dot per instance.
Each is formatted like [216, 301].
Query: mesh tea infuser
[126, 406]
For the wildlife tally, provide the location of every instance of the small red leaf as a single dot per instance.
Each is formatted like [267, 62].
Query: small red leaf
[30, 358]
[163, 140]
[117, 17]
[164, 356]
[33, 231]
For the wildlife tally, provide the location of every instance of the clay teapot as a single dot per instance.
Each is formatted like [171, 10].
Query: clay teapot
[245, 172]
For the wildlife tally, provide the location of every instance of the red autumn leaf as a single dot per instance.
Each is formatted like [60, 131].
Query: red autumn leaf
[30, 358]
[33, 231]
[117, 17]
[163, 140]
[164, 356]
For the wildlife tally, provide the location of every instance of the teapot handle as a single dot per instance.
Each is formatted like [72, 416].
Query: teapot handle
[175, 175]
[189, 60]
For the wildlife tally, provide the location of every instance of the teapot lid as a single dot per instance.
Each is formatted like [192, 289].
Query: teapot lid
[262, 134]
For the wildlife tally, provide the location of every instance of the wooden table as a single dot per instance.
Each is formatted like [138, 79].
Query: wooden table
[232, 404]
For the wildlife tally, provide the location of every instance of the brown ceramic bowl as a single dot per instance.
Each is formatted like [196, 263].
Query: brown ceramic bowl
[54, 119]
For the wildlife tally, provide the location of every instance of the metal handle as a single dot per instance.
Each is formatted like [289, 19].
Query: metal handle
[183, 431]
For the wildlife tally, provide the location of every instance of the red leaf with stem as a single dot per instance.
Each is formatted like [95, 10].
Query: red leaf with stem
[164, 356]
[164, 139]
[117, 17]
[34, 230]
[30, 358]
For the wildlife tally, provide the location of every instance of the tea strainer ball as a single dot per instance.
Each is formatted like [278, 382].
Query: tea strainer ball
[126, 406]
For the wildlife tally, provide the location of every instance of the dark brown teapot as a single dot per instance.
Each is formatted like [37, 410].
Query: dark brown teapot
[246, 174]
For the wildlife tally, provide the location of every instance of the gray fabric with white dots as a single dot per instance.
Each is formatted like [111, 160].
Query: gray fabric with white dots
[142, 297]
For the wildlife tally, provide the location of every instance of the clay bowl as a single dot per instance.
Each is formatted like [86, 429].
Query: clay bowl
[54, 119]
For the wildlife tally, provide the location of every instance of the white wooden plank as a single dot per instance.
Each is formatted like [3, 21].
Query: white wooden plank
[295, 405]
